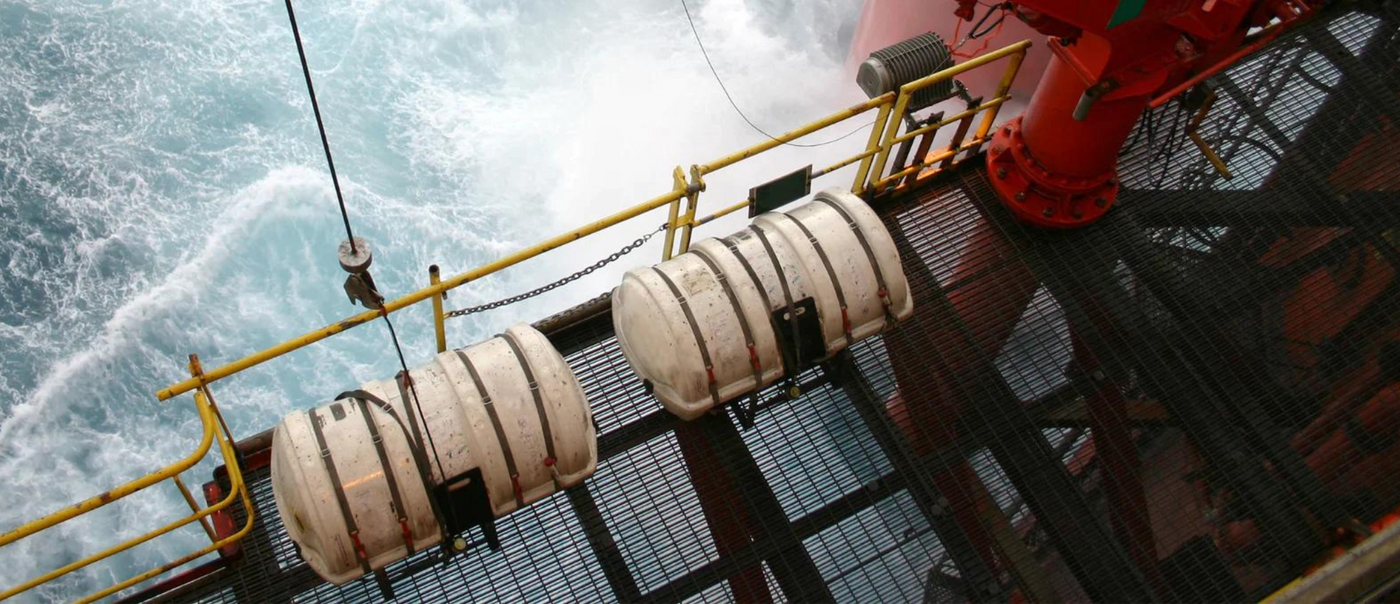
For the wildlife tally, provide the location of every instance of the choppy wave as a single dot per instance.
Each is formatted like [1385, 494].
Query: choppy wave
[162, 192]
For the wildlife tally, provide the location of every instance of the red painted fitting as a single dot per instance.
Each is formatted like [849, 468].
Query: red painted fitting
[1052, 170]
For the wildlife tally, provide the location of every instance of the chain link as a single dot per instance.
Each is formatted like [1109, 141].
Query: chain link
[611, 258]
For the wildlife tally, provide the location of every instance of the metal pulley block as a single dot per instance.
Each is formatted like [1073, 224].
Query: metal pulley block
[359, 286]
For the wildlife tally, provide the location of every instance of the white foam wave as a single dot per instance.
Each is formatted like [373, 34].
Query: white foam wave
[189, 278]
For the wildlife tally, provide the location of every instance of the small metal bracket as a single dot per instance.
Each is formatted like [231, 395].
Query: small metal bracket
[813, 346]
[1200, 141]
[359, 286]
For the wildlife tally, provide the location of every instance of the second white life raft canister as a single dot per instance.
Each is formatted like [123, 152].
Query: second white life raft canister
[372, 477]
[729, 316]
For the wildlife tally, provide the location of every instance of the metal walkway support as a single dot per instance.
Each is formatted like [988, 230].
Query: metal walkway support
[1001, 423]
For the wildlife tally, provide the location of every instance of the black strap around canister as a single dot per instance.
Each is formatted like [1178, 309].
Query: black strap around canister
[884, 291]
[496, 424]
[830, 273]
[350, 526]
[695, 331]
[550, 457]
[420, 459]
[389, 477]
[790, 309]
[789, 365]
[738, 312]
[402, 380]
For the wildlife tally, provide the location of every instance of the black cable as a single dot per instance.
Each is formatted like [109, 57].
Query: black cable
[1137, 133]
[316, 108]
[974, 34]
[731, 98]
[413, 390]
[1175, 139]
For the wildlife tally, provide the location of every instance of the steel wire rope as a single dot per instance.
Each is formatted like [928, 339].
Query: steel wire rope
[320, 126]
[345, 217]
[735, 105]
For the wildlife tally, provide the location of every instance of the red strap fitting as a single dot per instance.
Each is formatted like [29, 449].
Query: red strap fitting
[549, 462]
[710, 370]
[753, 359]
[359, 547]
[846, 321]
[407, 532]
[519, 493]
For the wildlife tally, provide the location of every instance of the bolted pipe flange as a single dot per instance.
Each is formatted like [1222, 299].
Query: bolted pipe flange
[1037, 196]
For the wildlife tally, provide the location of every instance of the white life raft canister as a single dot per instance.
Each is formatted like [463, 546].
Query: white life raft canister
[708, 326]
[364, 481]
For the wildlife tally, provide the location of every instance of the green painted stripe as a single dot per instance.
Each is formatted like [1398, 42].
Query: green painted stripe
[1127, 11]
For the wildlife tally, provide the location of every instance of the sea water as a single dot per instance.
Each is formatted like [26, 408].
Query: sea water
[163, 192]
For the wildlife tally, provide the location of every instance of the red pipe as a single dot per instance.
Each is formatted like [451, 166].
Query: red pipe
[1069, 148]
[1056, 166]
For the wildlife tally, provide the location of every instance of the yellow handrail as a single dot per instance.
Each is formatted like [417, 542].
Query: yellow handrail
[787, 137]
[83, 507]
[303, 340]
[207, 418]
[237, 485]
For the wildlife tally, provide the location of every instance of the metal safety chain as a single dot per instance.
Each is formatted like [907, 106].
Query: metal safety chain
[611, 258]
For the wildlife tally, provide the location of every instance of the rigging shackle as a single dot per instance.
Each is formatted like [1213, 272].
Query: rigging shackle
[359, 286]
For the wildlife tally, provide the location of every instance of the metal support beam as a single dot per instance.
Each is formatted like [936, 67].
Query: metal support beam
[1077, 269]
[624, 586]
[814, 522]
[1075, 415]
[1003, 424]
[1212, 208]
[980, 582]
[792, 566]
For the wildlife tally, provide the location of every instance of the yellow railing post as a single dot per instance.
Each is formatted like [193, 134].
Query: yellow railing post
[679, 186]
[872, 147]
[958, 135]
[891, 131]
[439, 327]
[692, 196]
[1018, 54]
